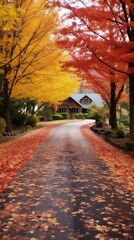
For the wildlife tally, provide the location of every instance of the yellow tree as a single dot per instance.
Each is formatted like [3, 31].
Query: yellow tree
[30, 62]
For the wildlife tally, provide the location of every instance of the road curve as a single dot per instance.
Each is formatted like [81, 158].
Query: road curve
[65, 192]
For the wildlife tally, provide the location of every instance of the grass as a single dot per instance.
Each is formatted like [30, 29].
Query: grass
[43, 124]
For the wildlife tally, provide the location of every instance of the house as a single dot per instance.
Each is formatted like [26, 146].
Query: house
[79, 102]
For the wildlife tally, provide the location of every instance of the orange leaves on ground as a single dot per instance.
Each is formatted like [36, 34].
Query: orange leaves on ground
[121, 164]
[14, 154]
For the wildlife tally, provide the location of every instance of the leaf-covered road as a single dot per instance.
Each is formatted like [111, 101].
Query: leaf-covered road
[66, 193]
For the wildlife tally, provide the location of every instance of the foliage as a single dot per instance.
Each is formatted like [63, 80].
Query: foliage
[2, 125]
[57, 116]
[30, 65]
[18, 114]
[20, 152]
[99, 123]
[30, 105]
[120, 133]
[41, 118]
[124, 120]
[79, 115]
[95, 115]
[124, 105]
[76, 115]
[19, 119]
[86, 115]
[108, 132]
[65, 115]
[117, 161]
[98, 113]
[101, 48]
[32, 120]
[45, 113]
[70, 180]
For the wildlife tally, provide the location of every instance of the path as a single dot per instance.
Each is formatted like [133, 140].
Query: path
[66, 193]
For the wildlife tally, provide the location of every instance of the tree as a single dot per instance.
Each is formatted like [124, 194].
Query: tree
[106, 29]
[30, 61]
[111, 90]
[100, 77]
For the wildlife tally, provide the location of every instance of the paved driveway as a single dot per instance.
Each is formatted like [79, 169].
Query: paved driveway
[65, 192]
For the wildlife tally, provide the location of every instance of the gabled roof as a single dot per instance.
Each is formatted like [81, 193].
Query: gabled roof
[95, 97]
[66, 102]
[85, 96]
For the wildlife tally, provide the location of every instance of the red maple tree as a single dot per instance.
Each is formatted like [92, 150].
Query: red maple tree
[101, 34]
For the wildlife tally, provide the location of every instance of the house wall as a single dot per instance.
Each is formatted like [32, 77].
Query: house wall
[70, 106]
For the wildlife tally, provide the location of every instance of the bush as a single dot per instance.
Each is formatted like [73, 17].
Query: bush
[99, 123]
[96, 116]
[86, 115]
[41, 119]
[19, 119]
[124, 120]
[32, 120]
[76, 115]
[2, 125]
[108, 132]
[57, 117]
[65, 115]
[79, 115]
[120, 133]
[46, 113]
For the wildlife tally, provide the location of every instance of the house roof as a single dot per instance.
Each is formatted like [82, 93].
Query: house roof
[79, 104]
[95, 97]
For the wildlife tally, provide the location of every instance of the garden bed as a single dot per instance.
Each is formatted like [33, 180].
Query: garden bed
[122, 143]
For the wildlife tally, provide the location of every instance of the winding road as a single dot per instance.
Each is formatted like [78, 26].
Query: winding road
[65, 192]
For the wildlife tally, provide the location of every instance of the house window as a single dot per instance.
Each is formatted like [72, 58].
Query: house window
[74, 110]
[85, 101]
[61, 110]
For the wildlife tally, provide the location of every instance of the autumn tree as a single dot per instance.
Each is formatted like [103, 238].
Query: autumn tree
[30, 65]
[111, 90]
[109, 84]
[106, 29]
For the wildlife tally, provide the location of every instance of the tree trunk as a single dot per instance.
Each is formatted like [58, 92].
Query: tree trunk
[7, 117]
[7, 112]
[131, 99]
[113, 117]
[131, 80]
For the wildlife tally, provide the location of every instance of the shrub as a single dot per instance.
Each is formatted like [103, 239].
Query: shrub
[41, 118]
[65, 115]
[124, 120]
[120, 133]
[57, 117]
[19, 119]
[79, 115]
[86, 115]
[108, 132]
[2, 125]
[28, 127]
[32, 120]
[99, 123]
[76, 115]
[46, 112]
[96, 116]
[98, 113]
